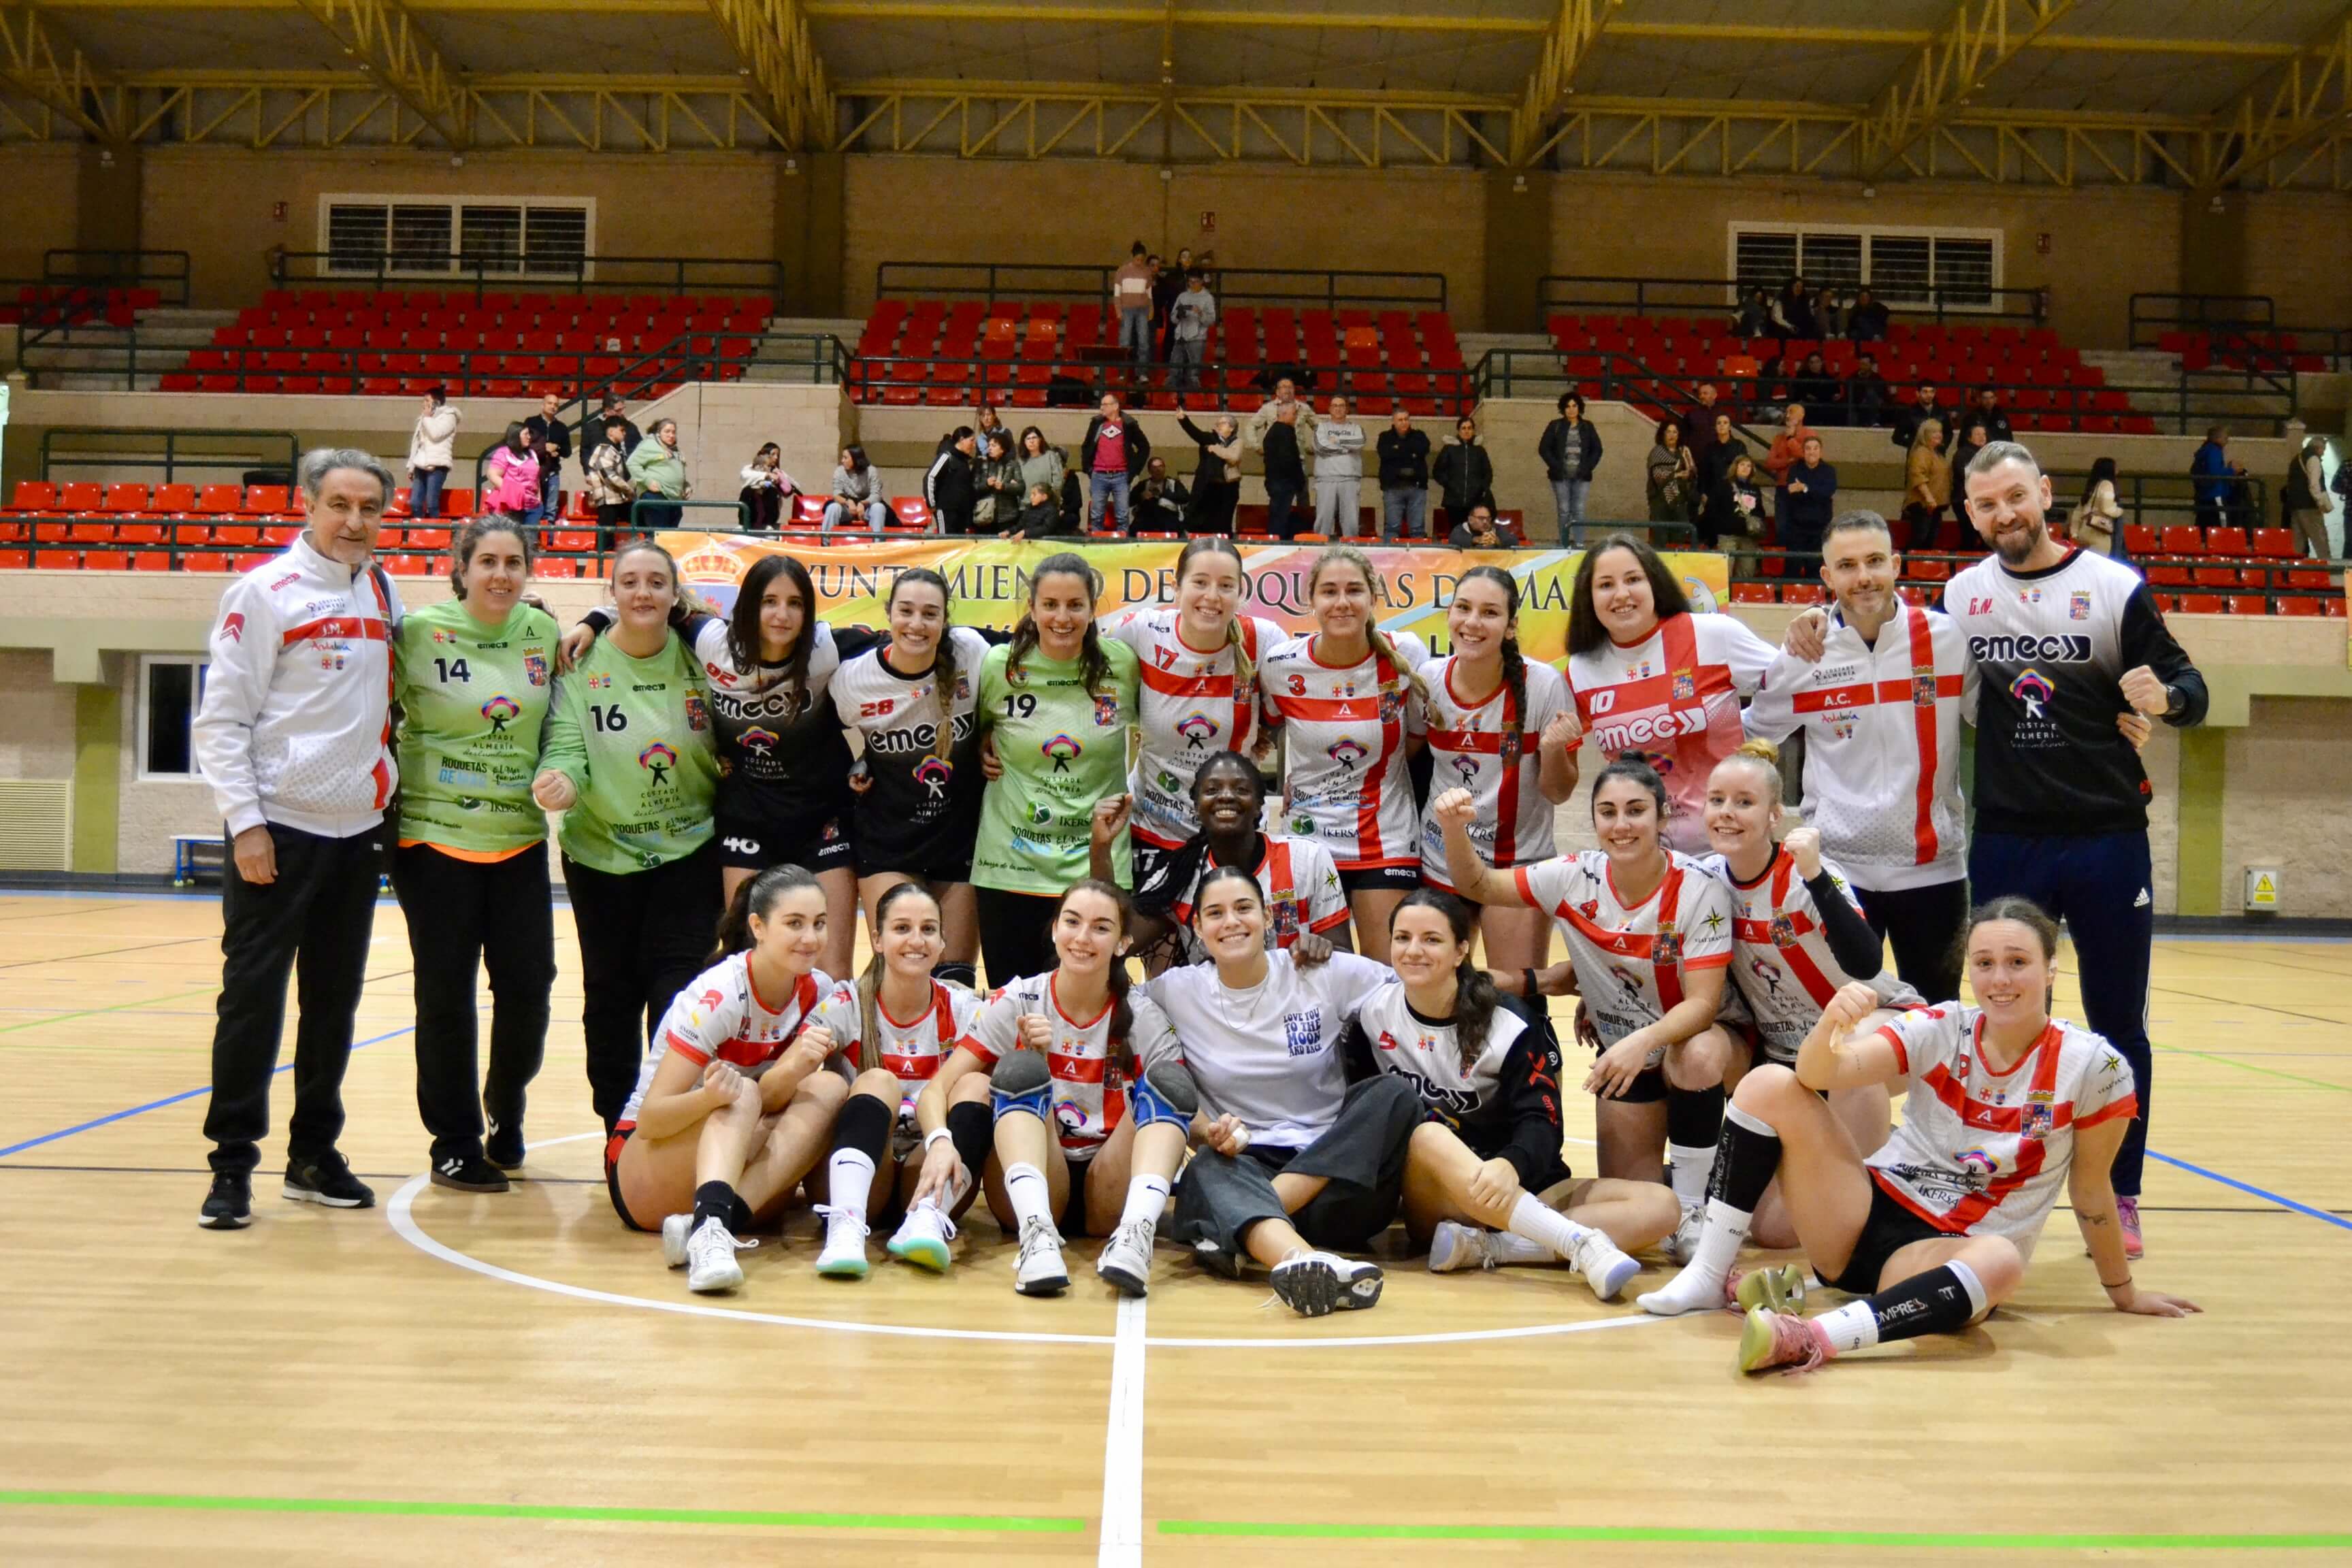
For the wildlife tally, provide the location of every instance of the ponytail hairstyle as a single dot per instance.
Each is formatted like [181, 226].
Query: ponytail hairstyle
[1382, 646]
[1474, 995]
[2025, 912]
[469, 539]
[1244, 672]
[1633, 765]
[756, 896]
[1765, 757]
[1515, 665]
[943, 672]
[1122, 1016]
[643, 544]
[869, 979]
[1093, 664]
[743, 624]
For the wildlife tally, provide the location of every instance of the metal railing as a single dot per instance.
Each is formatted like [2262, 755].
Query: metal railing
[1029, 382]
[1721, 297]
[2160, 495]
[1527, 372]
[1254, 287]
[664, 275]
[2150, 315]
[101, 447]
[2307, 579]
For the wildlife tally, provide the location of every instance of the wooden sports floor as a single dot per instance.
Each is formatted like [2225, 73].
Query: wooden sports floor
[515, 1379]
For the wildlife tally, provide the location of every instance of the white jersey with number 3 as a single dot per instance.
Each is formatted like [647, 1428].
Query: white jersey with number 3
[1344, 730]
[1513, 826]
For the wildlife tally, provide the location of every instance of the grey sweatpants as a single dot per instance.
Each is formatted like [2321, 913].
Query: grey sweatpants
[1339, 507]
[1219, 1196]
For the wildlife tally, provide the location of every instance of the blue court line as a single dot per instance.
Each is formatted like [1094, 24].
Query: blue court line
[167, 1099]
[2248, 1188]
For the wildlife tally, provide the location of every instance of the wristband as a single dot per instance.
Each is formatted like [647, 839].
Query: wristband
[936, 1135]
[1527, 979]
[2125, 1286]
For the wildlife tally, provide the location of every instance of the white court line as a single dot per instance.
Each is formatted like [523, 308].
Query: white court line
[1122, 1499]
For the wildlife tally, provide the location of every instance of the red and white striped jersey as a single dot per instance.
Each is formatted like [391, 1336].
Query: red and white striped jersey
[1674, 698]
[1187, 712]
[721, 1014]
[1631, 959]
[1089, 1083]
[1300, 886]
[1882, 728]
[1344, 733]
[1980, 1152]
[913, 1049]
[1780, 958]
[1513, 827]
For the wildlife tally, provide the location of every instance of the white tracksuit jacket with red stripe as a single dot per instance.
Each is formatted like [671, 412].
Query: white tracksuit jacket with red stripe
[294, 725]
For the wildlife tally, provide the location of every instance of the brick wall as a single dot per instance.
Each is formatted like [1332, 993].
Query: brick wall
[39, 180]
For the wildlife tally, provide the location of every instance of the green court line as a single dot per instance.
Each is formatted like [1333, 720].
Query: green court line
[981, 1523]
[116, 1007]
[1884, 1539]
[2248, 1066]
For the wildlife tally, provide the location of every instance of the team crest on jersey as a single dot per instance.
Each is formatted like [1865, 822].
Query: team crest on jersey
[1783, 931]
[1198, 729]
[658, 760]
[761, 742]
[933, 774]
[2078, 606]
[2038, 1121]
[2032, 689]
[1667, 948]
[1348, 753]
[2029, 596]
[697, 717]
[1686, 687]
[1769, 973]
[1106, 709]
[1923, 689]
[600, 683]
[1469, 769]
[534, 669]
[442, 637]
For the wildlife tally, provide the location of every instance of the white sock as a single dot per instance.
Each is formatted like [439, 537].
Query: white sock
[1719, 1242]
[1146, 1197]
[849, 1176]
[1504, 1247]
[1547, 1226]
[1687, 1167]
[1852, 1327]
[1025, 1189]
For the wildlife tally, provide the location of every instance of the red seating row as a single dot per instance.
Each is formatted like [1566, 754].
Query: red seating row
[116, 307]
[2144, 539]
[2266, 351]
[46, 498]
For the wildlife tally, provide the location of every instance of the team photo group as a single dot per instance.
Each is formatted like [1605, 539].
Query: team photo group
[1182, 925]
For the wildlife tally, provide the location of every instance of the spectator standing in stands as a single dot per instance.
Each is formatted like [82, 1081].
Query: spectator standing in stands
[1927, 485]
[1113, 454]
[1130, 296]
[1339, 472]
[1736, 505]
[1817, 390]
[1714, 516]
[1286, 470]
[631, 438]
[1156, 501]
[1191, 315]
[857, 493]
[2092, 523]
[1570, 450]
[1404, 478]
[1286, 396]
[555, 440]
[1866, 394]
[1923, 405]
[1217, 482]
[1989, 412]
[999, 492]
[1464, 473]
[1866, 322]
[2304, 497]
[295, 744]
[1698, 425]
[1974, 439]
[429, 453]
[1042, 462]
[610, 488]
[2215, 475]
[767, 488]
[986, 425]
[1788, 450]
[951, 486]
[514, 476]
[1811, 493]
[1672, 476]
[1480, 529]
[1795, 306]
[1167, 282]
[658, 470]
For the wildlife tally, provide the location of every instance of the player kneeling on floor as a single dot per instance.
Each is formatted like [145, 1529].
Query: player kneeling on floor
[1488, 1081]
[735, 1102]
[1935, 1228]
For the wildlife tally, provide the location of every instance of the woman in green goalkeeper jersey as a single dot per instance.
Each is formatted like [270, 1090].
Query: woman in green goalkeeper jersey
[630, 762]
[1058, 703]
[473, 675]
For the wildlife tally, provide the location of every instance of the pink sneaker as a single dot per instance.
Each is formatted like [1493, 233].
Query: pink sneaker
[2127, 1215]
[1773, 1338]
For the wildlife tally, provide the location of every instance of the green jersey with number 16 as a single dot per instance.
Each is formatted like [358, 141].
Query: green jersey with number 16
[474, 698]
[633, 736]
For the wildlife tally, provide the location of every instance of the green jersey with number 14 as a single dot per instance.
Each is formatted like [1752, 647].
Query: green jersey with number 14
[474, 698]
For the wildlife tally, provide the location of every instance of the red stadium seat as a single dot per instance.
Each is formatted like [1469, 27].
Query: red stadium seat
[1752, 593]
[175, 497]
[2179, 539]
[81, 496]
[126, 498]
[2270, 544]
[1803, 594]
[2297, 607]
[2227, 541]
[2201, 605]
[220, 499]
[2140, 540]
[34, 495]
[264, 500]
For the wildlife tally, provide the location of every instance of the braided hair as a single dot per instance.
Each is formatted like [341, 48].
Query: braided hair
[1093, 664]
[1515, 664]
[944, 671]
[1474, 995]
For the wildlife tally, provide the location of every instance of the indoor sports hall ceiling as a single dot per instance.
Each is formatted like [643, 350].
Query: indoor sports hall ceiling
[2251, 92]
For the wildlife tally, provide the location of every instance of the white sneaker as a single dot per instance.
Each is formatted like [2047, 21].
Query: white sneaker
[1315, 1283]
[1039, 1270]
[1604, 1268]
[843, 1254]
[923, 1237]
[1683, 1246]
[674, 1230]
[711, 1263]
[1125, 1260]
[1456, 1245]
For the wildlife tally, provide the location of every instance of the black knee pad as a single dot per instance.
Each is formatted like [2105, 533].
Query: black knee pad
[1021, 1080]
[1648, 1088]
[1165, 1092]
[963, 975]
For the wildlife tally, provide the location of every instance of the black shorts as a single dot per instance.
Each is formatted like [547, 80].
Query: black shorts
[613, 1177]
[1890, 1228]
[819, 842]
[1381, 878]
[1146, 860]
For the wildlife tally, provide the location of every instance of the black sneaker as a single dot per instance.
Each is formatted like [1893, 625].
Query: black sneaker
[468, 1173]
[504, 1146]
[230, 1206]
[326, 1179]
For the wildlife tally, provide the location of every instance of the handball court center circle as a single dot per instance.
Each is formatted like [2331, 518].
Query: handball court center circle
[400, 1214]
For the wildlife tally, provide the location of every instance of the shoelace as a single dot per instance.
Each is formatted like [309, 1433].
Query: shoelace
[1796, 1349]
[947, 1226]
[1038, 1234]
[832, 1214]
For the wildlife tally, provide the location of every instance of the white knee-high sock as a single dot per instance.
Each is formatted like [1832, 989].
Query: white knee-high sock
[1025, 1188]
[1687, 1166]
[849, 1176]
[1546, 1226]
[1147, 1195]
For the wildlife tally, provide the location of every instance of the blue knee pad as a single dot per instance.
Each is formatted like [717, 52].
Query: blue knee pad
[1021, 1082]
[1165, 1092]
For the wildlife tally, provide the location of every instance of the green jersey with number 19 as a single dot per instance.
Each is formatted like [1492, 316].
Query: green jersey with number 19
[474, 698]
[633, 736]
[1064, 748]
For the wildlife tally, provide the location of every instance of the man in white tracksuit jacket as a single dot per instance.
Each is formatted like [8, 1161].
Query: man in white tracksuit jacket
[294, 736]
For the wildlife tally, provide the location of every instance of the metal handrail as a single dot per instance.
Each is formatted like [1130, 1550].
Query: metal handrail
[1251, 286]
[167, 271]
[2150, 313]
[1626, 295]
[1502, 372]
[52, 458]
[670, 275]
[997, 379]
[2273, 575]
